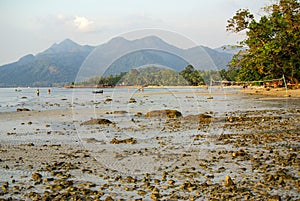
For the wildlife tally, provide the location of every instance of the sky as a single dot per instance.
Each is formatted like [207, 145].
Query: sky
[32, 26]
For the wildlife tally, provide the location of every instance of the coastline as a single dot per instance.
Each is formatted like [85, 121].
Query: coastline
[275, 92]
[151, 87]
[51, 154]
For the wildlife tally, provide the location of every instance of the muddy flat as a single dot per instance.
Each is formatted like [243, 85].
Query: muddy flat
[167, 144]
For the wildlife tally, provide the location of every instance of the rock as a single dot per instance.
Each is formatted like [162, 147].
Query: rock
[108, 198]
[139, 114]
[36, 176]
[120, 112]
[97, 121]
[201, 118]
[274, 198]
[132, 100]
[164, 114]
[171, 182]
[22, 109]
[204, 118]
[228, 181]
[141, 192]
[31, 144]
[155, 195]
[5, 186]
[90, 140]
[124, 141]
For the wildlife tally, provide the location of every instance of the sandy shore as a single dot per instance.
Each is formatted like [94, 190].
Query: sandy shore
[248, 154]
[279, 92]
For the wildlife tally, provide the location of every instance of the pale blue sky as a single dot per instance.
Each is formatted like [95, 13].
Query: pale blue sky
[31, 26]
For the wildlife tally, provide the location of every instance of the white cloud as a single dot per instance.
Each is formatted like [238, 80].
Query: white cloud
[83, 24]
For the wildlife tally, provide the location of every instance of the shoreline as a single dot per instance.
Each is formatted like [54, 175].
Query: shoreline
[272, 92]
[149, 87]
[54, 154]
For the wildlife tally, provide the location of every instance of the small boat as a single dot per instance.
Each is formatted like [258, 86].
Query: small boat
[97, 92]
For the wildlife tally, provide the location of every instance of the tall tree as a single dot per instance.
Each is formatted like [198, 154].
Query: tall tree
[272, 42]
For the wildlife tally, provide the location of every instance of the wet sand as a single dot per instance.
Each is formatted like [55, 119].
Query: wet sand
[249, 154]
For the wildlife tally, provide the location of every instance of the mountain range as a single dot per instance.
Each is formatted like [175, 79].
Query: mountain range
[68, 61]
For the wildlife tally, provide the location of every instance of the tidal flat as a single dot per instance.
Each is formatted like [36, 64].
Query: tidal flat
[160, 144]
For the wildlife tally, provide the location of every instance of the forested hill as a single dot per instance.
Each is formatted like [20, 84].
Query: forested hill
[120, 55]
[67, 61]
[58, 65]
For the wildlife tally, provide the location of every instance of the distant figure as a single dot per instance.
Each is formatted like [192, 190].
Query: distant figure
[49, 91]
[38, 92]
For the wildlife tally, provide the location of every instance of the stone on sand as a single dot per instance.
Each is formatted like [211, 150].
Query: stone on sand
[97, 121]
[164, 114]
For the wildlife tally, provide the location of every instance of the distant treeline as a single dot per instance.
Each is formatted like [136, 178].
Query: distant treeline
[162, 76]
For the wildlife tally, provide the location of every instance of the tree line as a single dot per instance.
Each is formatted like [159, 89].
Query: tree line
[153, 75]
[272, 42]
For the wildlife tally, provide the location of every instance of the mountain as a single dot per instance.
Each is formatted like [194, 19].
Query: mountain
[120, 55]
[58, 65]
[68, 61]
[142, 58]
[68, 46]
[104, 57]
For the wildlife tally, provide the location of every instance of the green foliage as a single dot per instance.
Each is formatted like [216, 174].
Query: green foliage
[229, 75]
[192, 76]
[273, 42]
[111, 80]
[196, 77]
[153, 76]
[240, 21]
[159, 76]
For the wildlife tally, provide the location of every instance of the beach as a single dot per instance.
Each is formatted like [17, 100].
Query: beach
[278, 92]
[160, 144]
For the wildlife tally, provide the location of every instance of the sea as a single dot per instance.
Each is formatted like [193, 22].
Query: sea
[187, 100]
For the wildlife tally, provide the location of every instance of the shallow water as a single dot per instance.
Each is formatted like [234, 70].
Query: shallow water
[82, 105]
[186, 100]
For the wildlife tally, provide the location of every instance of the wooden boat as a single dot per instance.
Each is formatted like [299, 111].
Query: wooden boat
[97, 92]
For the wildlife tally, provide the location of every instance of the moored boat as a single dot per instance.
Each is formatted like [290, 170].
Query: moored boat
[97, 92]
